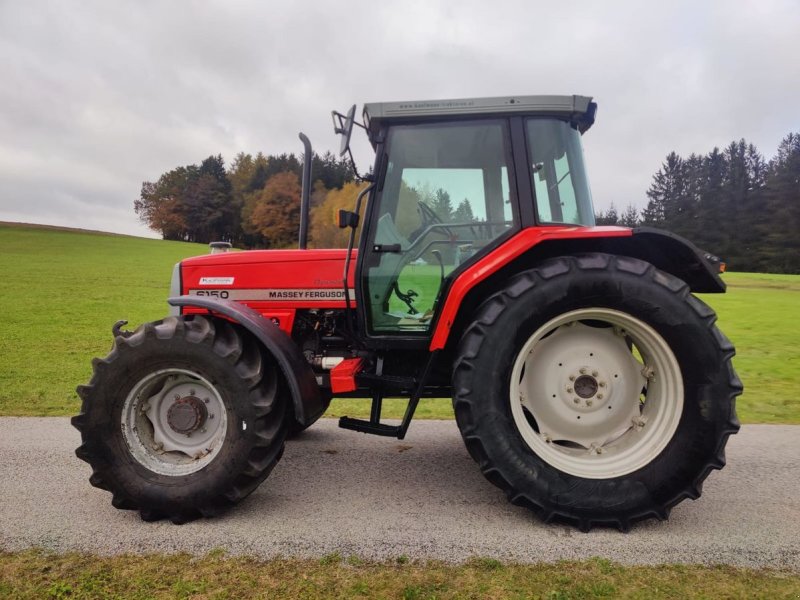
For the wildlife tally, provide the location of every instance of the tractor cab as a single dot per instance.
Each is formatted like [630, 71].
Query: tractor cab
[453, 180]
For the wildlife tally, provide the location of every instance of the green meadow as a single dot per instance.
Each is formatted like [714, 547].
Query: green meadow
[62, 290]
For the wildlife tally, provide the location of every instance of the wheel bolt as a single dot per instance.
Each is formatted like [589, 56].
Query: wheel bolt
[189, 434]
[191, 392]
[583, 370]
[211, 416]
[203, 430]
[602, 384]
[576, 401]
[206, 400]
[177, 397]
[588, 403]
[569, 390]
[599, 396]
[572, 377]
[594, 373]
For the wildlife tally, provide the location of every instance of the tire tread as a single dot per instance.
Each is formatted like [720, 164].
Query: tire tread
[227, 342]
[465, 403]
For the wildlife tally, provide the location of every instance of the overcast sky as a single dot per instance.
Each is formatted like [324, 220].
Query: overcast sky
[98, 96]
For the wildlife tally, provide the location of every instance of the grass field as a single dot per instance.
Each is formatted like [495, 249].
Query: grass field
[62, 291]
[38, 575]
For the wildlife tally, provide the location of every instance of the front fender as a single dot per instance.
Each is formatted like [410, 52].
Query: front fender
[306, 397]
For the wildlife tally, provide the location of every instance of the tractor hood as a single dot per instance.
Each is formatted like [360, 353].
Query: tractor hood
[288, 274]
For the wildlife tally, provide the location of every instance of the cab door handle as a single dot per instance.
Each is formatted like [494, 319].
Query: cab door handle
[396, 248]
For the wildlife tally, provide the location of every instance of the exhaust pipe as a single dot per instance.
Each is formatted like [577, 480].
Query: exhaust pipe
[305, 195]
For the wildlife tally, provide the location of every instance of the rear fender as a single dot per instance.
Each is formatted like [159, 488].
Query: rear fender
[664, 250]
[306, 397]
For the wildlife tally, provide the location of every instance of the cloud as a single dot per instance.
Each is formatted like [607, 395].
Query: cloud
[98, 97]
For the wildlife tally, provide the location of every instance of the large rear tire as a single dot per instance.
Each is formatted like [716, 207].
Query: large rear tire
[184, 418]
[596, 390]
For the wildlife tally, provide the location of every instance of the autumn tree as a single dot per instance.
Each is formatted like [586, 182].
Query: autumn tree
[160, 204]
[324, 231]
[276, 210]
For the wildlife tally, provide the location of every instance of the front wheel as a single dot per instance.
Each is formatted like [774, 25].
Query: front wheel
[184, 418]
[610, 403]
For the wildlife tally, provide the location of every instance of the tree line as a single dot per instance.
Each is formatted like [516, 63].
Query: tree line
[730, 202]
[253, 203]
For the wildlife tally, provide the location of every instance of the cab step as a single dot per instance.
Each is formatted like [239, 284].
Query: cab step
[374, 425]
[369, 427]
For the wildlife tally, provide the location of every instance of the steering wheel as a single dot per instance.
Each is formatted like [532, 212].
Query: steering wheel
[429, 217]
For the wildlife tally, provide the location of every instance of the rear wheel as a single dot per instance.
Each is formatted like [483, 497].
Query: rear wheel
[610, 403]
[184, 417]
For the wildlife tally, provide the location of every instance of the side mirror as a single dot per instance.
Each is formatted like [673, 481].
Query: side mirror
[343, 125]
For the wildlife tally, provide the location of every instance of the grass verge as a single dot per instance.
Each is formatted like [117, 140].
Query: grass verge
[35, 574]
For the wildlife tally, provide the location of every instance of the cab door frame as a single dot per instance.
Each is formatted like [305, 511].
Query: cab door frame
[522, 204]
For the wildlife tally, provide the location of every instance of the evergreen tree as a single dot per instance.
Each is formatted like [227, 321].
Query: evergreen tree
[664, 193]
[610, 217]
[781, 251]
[463, 212]
[630, 218]
[442, 205]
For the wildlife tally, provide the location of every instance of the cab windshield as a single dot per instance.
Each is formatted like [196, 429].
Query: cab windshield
[447, 196]
[559, 177]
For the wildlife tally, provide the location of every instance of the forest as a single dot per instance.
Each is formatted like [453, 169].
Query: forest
[732, 202]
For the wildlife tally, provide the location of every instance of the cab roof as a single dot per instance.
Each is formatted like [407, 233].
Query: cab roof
[577, 109]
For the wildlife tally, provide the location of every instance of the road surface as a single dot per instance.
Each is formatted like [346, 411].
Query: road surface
[423, 497]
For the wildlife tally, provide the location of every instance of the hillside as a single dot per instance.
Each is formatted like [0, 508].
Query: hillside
[62, 290]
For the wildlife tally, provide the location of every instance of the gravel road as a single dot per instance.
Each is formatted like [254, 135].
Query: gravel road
[423, 497]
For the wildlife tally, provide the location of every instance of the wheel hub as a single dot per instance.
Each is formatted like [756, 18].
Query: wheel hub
[582, 385]
[586, 386]
[187, 414]
[175, 421]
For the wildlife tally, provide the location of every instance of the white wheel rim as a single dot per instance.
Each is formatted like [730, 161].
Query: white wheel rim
[161, 439]
[623, 411]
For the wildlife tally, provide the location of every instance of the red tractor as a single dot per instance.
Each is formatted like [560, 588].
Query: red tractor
[588, 382]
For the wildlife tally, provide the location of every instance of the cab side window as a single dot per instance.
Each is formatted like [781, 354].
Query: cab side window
[446, 195]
